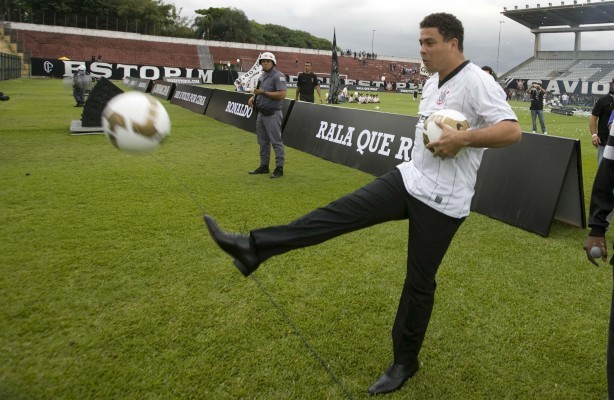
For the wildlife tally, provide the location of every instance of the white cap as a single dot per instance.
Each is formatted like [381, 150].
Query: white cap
[81, 68]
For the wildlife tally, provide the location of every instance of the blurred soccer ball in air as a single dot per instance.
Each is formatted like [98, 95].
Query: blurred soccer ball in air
[135, 122]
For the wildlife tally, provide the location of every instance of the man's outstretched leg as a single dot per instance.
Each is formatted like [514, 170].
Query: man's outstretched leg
[384, 199]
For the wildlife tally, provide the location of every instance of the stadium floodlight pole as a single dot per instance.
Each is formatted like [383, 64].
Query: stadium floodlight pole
[372, 37]
[499, 46]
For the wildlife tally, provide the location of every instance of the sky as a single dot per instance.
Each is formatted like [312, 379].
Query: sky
[391, 27]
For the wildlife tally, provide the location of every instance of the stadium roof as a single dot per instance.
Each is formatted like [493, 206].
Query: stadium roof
[572, 15]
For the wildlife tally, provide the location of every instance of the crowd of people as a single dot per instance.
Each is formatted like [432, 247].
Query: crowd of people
[361, 98]
[362, 55]
[554, 99]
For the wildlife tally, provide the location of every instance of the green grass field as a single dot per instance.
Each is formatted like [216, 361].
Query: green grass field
[111, 287]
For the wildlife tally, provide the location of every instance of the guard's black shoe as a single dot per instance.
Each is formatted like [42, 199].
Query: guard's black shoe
[237, 246]
[263, 169]
[394, 378]
[278, 173]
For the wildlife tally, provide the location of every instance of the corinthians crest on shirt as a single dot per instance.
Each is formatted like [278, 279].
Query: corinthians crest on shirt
[442, 97]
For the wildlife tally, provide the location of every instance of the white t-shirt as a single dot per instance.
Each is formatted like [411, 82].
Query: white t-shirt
[447, 185]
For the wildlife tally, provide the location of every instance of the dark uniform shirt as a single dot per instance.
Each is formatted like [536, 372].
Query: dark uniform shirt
[537, 99]
[306, 84]
[602, 110]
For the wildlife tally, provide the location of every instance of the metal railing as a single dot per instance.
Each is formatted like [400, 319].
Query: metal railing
[10, 66]
[85, 21]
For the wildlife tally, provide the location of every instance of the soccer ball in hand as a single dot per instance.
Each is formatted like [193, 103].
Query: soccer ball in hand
[135, 122]
[452, 118]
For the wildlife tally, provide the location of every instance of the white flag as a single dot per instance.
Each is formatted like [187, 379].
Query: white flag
[247, 81]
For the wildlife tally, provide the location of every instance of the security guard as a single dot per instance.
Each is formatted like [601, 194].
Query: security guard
[268, 99]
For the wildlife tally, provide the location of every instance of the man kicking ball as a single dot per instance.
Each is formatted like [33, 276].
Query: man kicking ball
[433, 190]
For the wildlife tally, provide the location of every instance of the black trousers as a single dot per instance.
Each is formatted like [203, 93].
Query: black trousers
[307, 97]
[384, 199]
[610, 352]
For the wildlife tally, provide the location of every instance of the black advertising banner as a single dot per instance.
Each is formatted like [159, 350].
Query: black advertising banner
[370, 141]
[163, 89]
[50, 68]
[144, 85]
[194, 98]
[231, 108]
[117, 71]
[191, 81]
[531, 183]
[131, 82]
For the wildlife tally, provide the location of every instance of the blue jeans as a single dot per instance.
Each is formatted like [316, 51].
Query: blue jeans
[540, 114]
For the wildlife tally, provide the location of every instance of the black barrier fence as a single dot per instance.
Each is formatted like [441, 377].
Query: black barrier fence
[163, 89]
[531, 183]
[231, 108]
[527, 185]
[10, 66]
[194, 98]
[372, 142]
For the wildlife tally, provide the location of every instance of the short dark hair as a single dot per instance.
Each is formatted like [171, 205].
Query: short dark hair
[490, 71]
[308, 62]
[448, 25]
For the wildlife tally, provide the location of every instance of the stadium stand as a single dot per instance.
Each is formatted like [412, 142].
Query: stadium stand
[593, 70]
[54, 42]
[80, 47]
[541, 68]
[573, 19]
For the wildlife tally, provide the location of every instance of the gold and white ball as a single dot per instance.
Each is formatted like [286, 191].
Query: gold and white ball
[452, 118]
[135, 122]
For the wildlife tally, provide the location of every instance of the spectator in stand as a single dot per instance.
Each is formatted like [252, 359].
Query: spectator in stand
[598, 123]
[306, 83]
[537, 106]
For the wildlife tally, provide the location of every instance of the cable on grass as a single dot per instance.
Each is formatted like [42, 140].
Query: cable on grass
[261, 287]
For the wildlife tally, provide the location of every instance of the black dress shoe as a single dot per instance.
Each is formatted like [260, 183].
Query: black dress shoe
[394, 377]
[278, 173]
[237, 246]
[263, 169]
